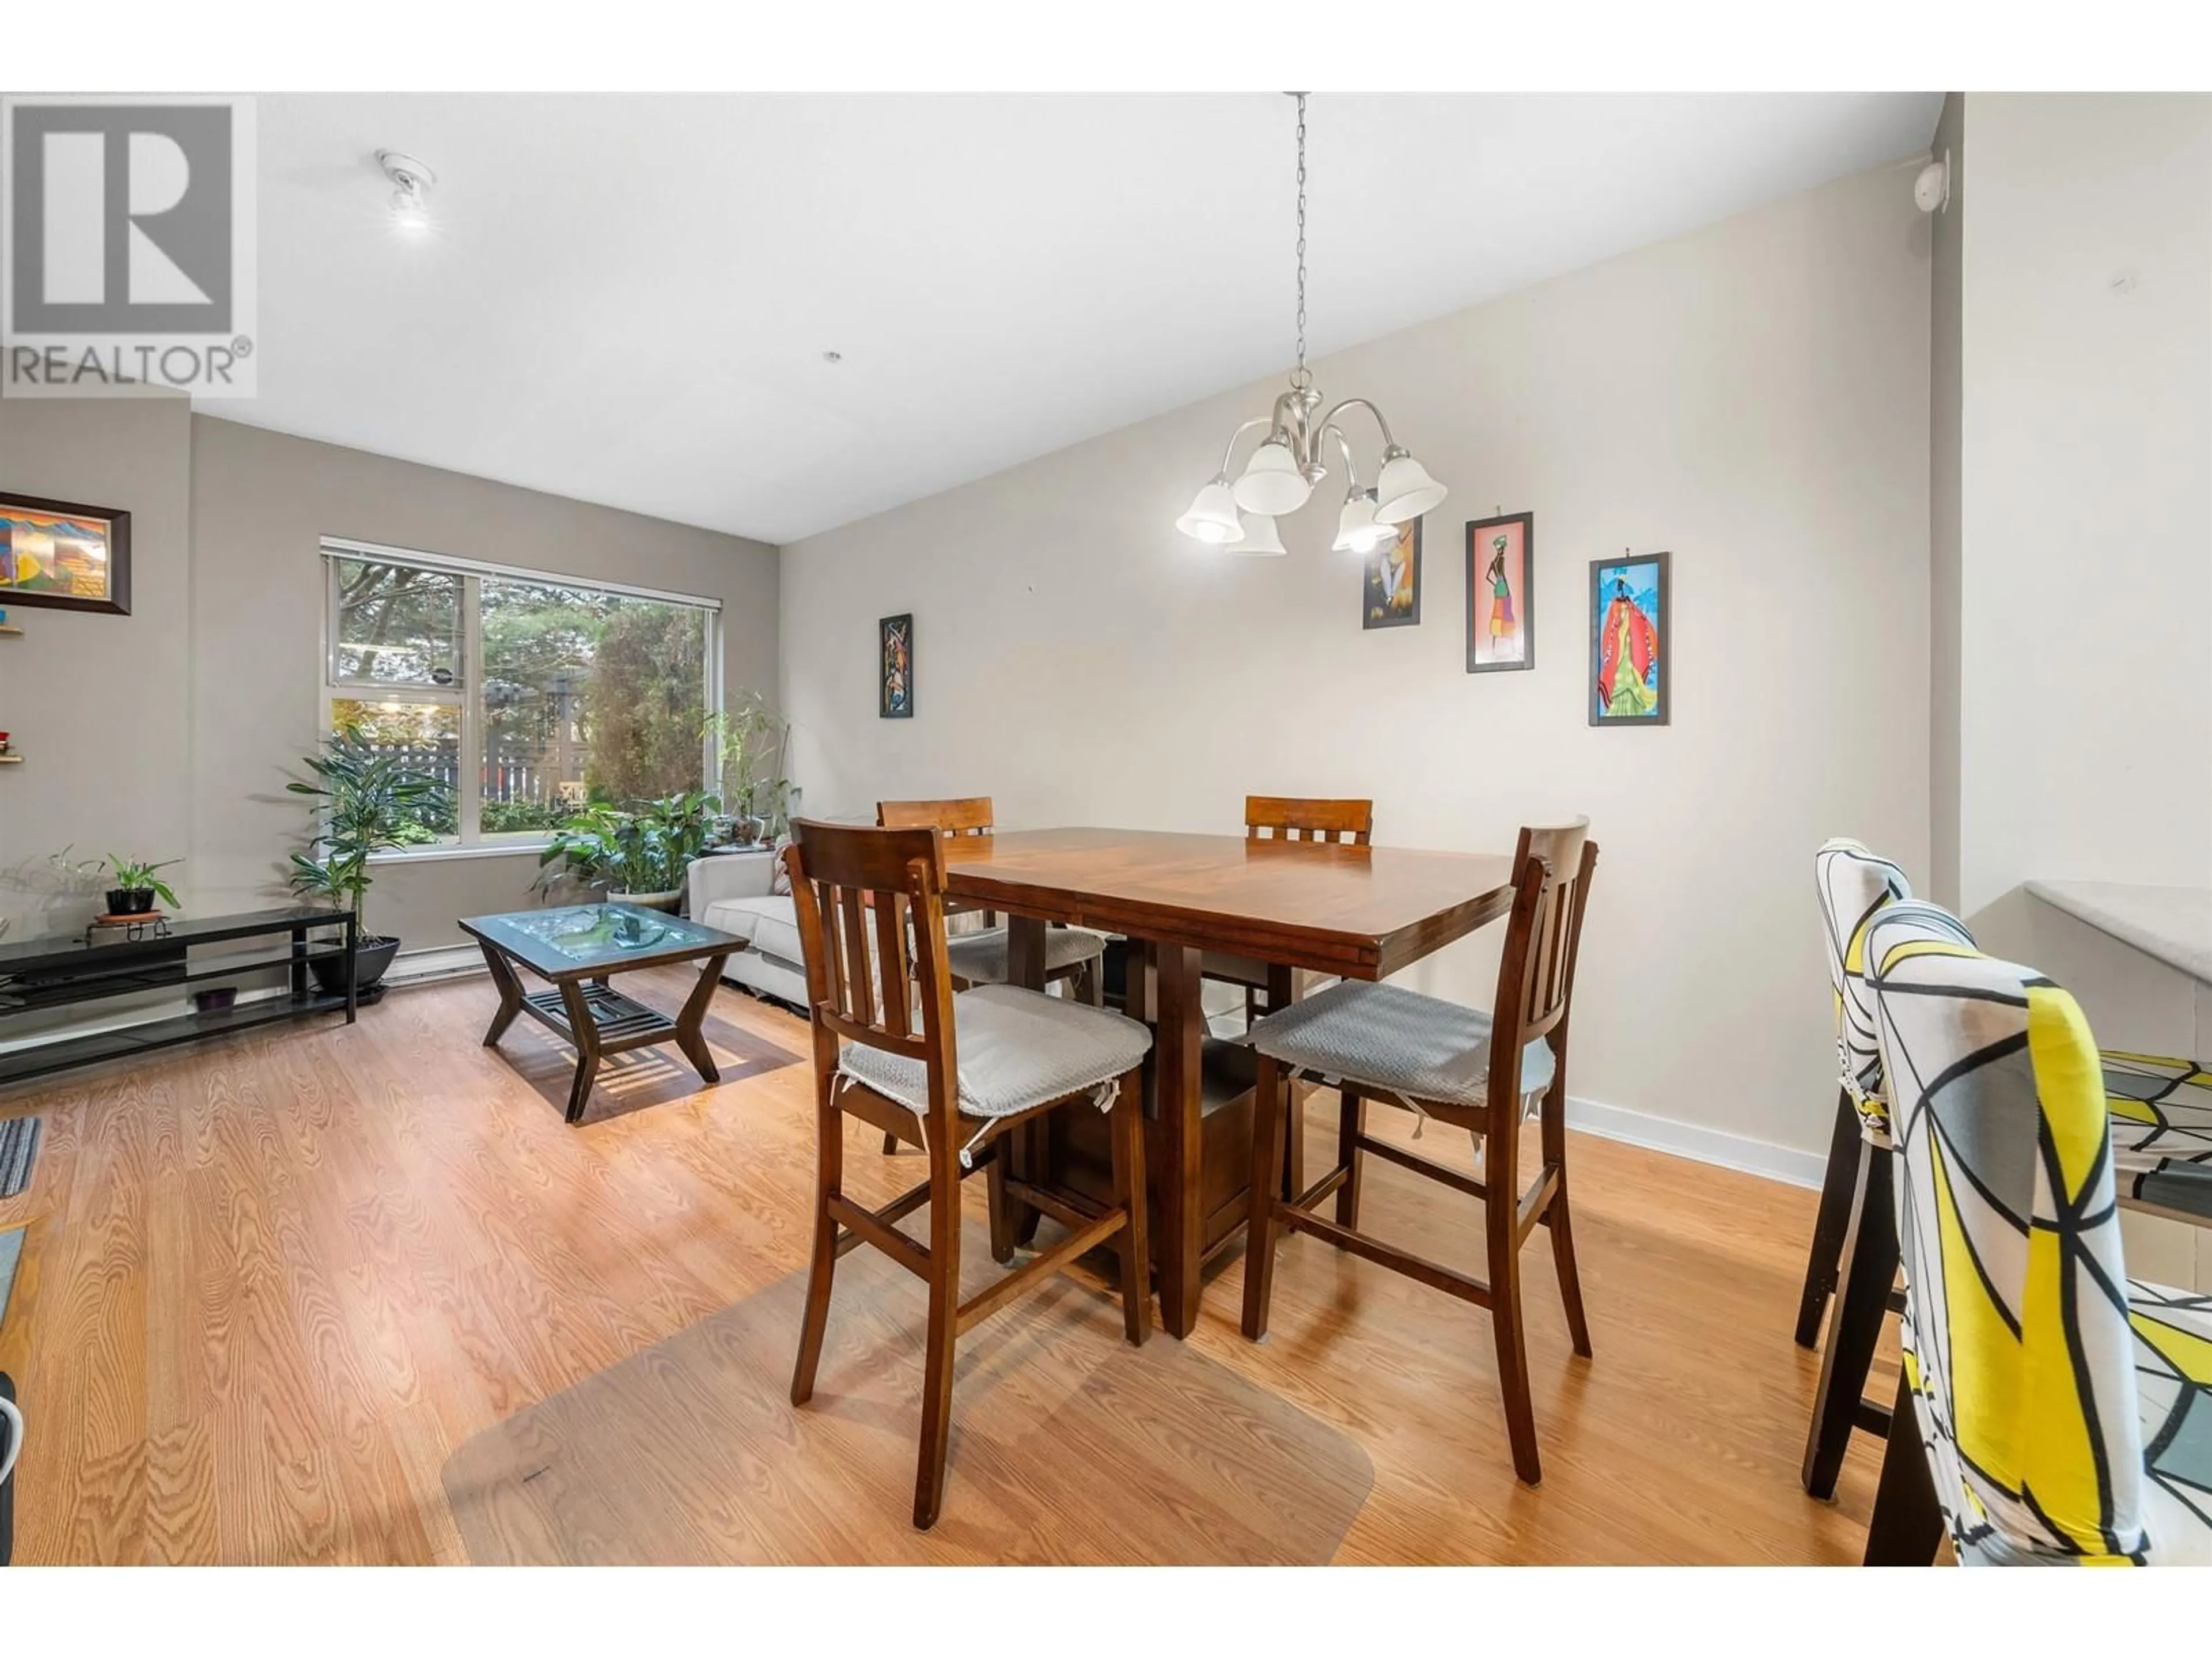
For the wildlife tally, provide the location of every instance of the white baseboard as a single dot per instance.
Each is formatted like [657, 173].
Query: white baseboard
[445, 961]
[1690, 1141]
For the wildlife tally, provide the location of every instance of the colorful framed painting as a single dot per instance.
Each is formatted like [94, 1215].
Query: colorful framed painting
[1501, 593]
[1391, 591]
[1631, 667]
[894, 667]
[62, 555]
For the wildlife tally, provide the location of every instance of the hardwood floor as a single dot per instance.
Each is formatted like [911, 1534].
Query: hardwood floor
[269, 1286]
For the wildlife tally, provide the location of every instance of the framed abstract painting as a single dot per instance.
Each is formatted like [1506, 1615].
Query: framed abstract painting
[62, 555]
[894, 667]
[1390, 592]
[1501, 593]
[1631, 667]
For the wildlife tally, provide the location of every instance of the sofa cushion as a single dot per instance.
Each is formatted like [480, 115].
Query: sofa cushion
[769, 924]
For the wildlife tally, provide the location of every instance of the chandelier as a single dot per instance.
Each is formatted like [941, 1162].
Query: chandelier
[1282, 471]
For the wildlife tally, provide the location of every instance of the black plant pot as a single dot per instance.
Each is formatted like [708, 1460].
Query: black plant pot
[129, 901]
[371, 958]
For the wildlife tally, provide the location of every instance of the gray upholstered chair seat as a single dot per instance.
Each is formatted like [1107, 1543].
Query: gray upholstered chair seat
[1396, 1042]
[980, 957]
[1016, 1049]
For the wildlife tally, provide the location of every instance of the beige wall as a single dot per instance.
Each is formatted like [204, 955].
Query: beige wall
[1753, 398]
[2083, 490]
[2086, 544]
[1948, 245]
[97, 703]
[169, 733]
[261, 504]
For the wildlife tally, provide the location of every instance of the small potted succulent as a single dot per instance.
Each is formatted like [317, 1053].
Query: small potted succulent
[136, 886]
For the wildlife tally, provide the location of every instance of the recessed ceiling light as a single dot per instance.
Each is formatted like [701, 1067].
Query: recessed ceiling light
[411, 189]
[833, 357]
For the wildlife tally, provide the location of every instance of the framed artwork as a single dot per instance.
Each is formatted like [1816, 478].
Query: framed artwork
[1390, 593]
[1631, 667]
[60, 554]
[894, 667]
[1501, 593]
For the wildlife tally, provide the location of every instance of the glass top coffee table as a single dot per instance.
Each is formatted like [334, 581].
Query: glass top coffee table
[577, 947]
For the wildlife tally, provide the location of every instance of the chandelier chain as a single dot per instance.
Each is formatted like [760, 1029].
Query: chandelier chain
[1300, 378]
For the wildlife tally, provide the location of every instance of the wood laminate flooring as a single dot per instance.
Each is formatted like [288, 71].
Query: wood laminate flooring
[270, 1285]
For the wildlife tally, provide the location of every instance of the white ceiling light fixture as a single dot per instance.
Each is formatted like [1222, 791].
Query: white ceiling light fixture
[1280, 473]
[1260, 539]
[411, 181]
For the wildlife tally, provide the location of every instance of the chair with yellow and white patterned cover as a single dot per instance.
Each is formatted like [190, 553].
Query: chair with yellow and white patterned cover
[2161, 1114]
[2050, 1410]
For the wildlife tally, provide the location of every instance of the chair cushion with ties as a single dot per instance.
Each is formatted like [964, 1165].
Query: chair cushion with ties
[980, 957]
[1389, 1039]
[1016, 1050]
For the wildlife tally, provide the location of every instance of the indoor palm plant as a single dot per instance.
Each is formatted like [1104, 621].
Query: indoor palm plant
[638, 856]
[366, 800]
[751, 738]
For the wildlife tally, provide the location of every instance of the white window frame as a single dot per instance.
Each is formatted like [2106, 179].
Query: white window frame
[465, 691]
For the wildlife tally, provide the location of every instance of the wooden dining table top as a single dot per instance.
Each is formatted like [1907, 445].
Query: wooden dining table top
[1360, 912]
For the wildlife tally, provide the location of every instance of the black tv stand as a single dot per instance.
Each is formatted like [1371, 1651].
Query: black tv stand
[69, 970]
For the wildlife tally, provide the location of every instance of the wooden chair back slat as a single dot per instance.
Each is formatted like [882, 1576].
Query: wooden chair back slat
[894, 972]
[860, 983]
[964, 815]
[1284, 817]
[1552, 870]
[897, 996]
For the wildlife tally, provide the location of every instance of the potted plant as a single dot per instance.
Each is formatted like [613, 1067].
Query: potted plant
[636, 856]
[751, 738]
[136, 886]
[366, 800]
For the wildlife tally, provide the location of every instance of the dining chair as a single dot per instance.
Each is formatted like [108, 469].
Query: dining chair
[980, 956]
[951, 1075]
[2050, 1410]
[2161, 1137]
[1380, 1043]
[1344, 823]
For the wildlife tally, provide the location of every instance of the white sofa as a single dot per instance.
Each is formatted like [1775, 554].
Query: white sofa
[731, 892]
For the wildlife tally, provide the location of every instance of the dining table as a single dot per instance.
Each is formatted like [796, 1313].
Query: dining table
[1351, 912]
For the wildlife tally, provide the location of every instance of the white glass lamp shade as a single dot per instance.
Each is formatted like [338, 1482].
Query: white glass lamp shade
[1273, 485]
[1405, 490]
[1260, 538]
[1212, 515]
[1357, 530]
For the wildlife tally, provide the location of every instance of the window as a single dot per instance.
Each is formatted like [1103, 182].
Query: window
[530, 694]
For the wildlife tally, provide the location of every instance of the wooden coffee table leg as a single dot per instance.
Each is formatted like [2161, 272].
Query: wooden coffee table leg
[510, 993]
[585, 1031]
[1175, 1067]
[690, 1034]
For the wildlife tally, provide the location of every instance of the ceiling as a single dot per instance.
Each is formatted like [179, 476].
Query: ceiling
[627, 299]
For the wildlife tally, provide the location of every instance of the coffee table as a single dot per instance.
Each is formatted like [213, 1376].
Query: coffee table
[576, 948]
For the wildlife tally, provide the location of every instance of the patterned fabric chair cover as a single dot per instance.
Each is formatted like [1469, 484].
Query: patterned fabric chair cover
[2066, 1412]
[2161, 1108]
[1853, 884]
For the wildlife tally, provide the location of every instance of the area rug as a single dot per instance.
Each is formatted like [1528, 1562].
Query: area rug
[1067, 1445]
[18, 1150]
